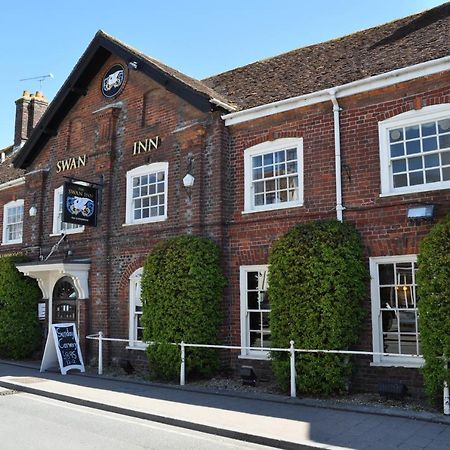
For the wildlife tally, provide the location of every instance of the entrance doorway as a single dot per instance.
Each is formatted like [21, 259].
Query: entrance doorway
[64, 301]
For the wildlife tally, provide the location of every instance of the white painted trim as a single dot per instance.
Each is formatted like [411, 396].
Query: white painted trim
[245, 353]
[270, 147]
[6, 207]
[12, 183]
[355, 87]
[135, 278]
[377, 331]
[56, 230]
[413, 117]
[139, 171]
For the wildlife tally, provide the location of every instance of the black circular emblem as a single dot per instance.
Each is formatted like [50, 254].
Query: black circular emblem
[113, 81]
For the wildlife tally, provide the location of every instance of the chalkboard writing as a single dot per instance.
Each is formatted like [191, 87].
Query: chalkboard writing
[67, 346]
[63, 347]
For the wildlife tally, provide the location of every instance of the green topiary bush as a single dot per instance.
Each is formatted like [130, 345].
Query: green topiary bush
[433, 287]
[182, 287]
[317, 281]
[19, 325]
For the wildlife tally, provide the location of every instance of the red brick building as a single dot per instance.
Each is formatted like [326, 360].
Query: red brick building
[357, 128]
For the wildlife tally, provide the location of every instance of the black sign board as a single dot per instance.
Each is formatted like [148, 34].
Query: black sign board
[80, 204]
[62, 347]
[113, 81]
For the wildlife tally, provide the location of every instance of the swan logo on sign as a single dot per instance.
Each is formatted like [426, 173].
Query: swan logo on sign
[80, 204]
[113, 81]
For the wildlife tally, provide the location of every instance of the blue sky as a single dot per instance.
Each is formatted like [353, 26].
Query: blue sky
[197, 37]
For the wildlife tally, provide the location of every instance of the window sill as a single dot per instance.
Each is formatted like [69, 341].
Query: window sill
[406, 364]
[417, 190]
[137, 347]
[67, 232]
[274, 208]
[264, 357]
[159, 219]
[11, 243]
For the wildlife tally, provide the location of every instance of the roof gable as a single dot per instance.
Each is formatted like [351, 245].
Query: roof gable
[99, 50]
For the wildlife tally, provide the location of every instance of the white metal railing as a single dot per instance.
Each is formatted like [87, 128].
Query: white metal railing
[292, 350]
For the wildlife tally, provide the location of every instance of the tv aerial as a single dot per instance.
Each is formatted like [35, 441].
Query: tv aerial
[40, 78]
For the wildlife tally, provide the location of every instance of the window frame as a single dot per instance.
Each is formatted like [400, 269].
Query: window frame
[377, 328]
[135, 281]
[57, 227]
[147, 169]
[6, 207]
[244, 317]
[263, 149]
[409, 118]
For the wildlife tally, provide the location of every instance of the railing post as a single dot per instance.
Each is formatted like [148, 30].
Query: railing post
[292, 355]
[183, 365]
[100, 353]
[446, 393]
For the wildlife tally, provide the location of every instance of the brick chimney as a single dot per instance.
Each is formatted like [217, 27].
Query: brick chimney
[29, 109]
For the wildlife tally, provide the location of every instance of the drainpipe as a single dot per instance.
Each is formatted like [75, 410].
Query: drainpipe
[337, 155]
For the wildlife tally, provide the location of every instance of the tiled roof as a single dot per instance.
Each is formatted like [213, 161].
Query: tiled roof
[7, 171]
[194, 84]
[402, 43]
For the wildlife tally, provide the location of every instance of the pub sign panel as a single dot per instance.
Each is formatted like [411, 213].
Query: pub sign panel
[80, 204]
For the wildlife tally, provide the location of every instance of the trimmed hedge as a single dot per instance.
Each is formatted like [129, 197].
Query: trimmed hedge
[182, 287]
[317, 282]
[20, 333]
[433, 287]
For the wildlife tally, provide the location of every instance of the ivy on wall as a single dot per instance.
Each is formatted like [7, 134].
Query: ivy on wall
[433, 288]
[19, 325]
[317, 282]
[182, 286]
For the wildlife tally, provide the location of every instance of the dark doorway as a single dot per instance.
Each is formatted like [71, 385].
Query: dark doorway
[64, 301]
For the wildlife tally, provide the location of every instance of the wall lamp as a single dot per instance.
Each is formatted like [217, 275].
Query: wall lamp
[189, 179]
[248, 376]
[418, 213]
[32, 211]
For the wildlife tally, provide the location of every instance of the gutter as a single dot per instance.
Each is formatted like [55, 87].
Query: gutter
[344, 90]
[12, 183]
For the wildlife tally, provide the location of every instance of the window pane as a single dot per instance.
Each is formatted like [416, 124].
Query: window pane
[445, 158]
[257, 161]
[407, 321]
[413, 147]
[391, 344]
[252, 280]
[252, 300]
[444, 126]
[432, 160]
[415, 163]
[444, 141]
[386, 273]
[400, 180]
[268, 159]
[396, 135]
[446, 173]
[399, 165]
[387, 297]
[389, 321]
[428, 129]
[415, 178]
[433, 176]
[412, 132]
[255, 321]
[257, 174]
[397, 150]
[429, 144]
[291, 154]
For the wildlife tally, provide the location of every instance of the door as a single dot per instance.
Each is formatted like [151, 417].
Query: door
[64, 301]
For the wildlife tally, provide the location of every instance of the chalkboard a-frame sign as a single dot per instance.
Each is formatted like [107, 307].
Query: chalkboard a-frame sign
[62, 347]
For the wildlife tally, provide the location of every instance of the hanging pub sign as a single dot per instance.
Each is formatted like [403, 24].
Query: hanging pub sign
[62, 348]
[80, 204]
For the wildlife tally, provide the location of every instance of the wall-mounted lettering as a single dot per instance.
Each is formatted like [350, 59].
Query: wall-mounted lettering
[71, 163]
[146, 146]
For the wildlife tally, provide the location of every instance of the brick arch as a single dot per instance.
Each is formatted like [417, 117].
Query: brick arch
[125, 278]
[272, 136]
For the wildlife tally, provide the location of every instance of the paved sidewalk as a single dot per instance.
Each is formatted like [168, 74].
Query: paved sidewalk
[282, 424]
